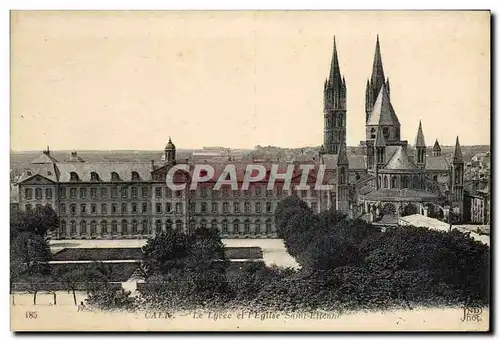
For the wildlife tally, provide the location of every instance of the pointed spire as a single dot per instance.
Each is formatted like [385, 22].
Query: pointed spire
[437, 147]
[379, 138]
[420, 141]
[342, 158]
[457, 154]
[378, 77]
[334, 66]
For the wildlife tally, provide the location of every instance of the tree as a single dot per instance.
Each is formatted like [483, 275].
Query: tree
[165, 251]
[40, 221]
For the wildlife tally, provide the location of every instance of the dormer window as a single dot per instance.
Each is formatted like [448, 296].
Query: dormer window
[114, 176]
[135, 176]
[73, 176]
[29, 173]
[94, 176]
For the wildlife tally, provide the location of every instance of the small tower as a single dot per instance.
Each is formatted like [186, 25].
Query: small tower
[380, 145]
[170, 152]
[436, 150]
[457, 178]
[342, 180]
[334, 106]
[375, 83]
[420, 147]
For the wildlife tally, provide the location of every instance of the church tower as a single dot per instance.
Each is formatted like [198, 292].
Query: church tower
[170, 152]
[375, 83]
[420, 147]
[334, 102]
[457, 178]
[342, 180]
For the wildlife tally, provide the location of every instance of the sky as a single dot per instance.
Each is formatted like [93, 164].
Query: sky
[130, 80]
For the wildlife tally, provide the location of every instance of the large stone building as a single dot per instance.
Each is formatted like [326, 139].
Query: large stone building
[133, 200]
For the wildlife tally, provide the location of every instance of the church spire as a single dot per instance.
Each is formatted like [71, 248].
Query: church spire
[420, 141]
[335, 77]
[457, 154]
[378, 77]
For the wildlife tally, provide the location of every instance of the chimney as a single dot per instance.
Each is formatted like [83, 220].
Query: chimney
[47, 152]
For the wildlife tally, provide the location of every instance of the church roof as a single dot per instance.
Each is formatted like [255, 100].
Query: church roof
[400, 161]
[379, 138]
[382, 113]
[104, 170]
[457, 154]
[436, 147]
[436, 163]
[420, 141]
[405, 194]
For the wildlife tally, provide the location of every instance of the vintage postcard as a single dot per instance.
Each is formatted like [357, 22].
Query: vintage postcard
[250, 171]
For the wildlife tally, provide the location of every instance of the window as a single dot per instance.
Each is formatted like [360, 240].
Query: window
[114, 176]
[134, 207]
[124, 208]
[168, 207]
[215, 207]
[62, 192]
[62, 227]
[124, 227]
[213, 224]
[247, 207]
[38, 193]
[236, 193]
[158, 192]
[314, 207]
[135, 176]
[168, 224]
[393, 182]
[372, 133]
[192, 193]
[246, 192]
[179, 225]
[72, 193]
[236, 226]
[168, 192]
[268, 226]
[48, 193]
[269, 207]
[203, 207]
[257, 207]
[28, 193]
[158, 208]
[144, 207]
[178, 194]
[269, 193]
[83, 208]
[72, 225]
[124, 192]
[236, 207]
[257, 227]
[104, 209]
[83, 227]
[114, 209]
[258, 191]
[204, 193]
[27, 208]
[114, 227]
[93, 228]
[73, 177]
[144, 226]
[224, 227]
[225, 192]
[215, 193]
[144, 192]
[134, 192]
[114, 192]
[179, 208]
[83, 193]
[94, 176]
[134, 226]
[93, 209]
[104, 192]
[303, 193]
[225, 207]
[435, 178]
[72, 209]
[93, 192]
[203, 224]
[314, 193]
[247, 226]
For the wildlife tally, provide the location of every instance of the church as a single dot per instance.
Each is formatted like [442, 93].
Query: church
[390, 178]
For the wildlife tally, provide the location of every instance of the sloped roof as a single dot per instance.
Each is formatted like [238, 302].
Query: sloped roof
[45, 157]
[420, 141]
[436, 163]
[47, 170]
[436, 147]
[382, 112]
[399, 194]
[104, 170]
[379, 138]
[457, 154]
[400, 161]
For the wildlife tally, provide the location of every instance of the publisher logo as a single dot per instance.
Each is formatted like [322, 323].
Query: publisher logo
[472, 314]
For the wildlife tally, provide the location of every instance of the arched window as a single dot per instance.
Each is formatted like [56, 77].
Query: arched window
[134, 226]
[104, 209]
[373, 133]
[168, 224]
[73, 177]
[83, 227]
[62, 227]
[94, 176]
[104, 227]
[72, 225]
[144, 226]
[93, 227]
[404, 181]
[394, 182]
[135, 176]
[158, 226]
[213, 224]
[268, 226]
[124, 227]
[257, 226]
[247, 226]
[115, 176]
[179, 225]
[62, 209]
[386, 185]
[225, 229]
[236, 226]
[114, 227]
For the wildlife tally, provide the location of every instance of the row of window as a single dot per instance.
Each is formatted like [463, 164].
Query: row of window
[235, 227]
[28, 193]
[125, 208]
[74, 177]
[28, 207]
[104, 192]
[103, 227]
[203, 207]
